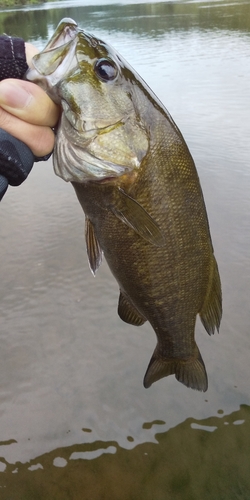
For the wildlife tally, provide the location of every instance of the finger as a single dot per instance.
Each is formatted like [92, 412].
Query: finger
[27, 101]
[39, 139]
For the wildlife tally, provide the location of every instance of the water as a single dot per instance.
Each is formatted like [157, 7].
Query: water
[75, 420]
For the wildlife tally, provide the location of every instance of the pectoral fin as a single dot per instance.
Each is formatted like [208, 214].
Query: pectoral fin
[94, 250]
[128, 312]
[135, 216]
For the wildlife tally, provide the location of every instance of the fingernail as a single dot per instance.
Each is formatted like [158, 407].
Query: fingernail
[13, 95]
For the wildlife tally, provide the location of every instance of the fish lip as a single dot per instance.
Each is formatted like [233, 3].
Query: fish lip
[50, 77]
[65, 40]
[70, 28]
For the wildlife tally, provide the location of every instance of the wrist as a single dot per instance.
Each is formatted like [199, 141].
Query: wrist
[12, 57]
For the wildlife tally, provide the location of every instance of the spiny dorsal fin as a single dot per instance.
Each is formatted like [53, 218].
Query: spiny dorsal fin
[129, 313]
[94, 250]
[212, 308]
[135, 216]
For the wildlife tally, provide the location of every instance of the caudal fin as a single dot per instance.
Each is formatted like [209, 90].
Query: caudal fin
[190, 372]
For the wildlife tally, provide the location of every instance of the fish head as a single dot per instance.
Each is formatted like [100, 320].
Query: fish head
[100, 135]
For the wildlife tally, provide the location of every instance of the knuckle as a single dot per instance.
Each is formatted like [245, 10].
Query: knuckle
[5, 120]
[42, 141]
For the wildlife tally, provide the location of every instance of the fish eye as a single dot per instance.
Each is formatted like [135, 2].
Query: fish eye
[106, 70]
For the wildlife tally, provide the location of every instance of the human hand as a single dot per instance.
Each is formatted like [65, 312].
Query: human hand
[27, 113]
[26, 117]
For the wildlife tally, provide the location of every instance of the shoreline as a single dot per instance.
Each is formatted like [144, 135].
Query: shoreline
[19, 3]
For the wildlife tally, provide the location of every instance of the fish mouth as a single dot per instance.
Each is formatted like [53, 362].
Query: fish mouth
[67, 32]
[56, 59]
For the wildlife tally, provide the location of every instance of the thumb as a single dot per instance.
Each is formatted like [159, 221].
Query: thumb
[27, 101]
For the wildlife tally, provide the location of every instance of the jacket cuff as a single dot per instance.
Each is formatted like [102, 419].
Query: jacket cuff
[12, 57]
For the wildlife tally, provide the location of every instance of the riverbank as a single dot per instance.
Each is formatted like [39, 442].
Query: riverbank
[16, 3]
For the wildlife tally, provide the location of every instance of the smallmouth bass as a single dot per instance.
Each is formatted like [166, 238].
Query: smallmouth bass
[138, 186]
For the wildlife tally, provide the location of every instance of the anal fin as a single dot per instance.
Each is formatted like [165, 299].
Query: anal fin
[129, 313]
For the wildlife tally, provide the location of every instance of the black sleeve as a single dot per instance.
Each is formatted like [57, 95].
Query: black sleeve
[12, 57]
[16, 159]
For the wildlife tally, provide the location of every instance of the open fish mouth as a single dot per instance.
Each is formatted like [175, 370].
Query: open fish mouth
[56, 59]
[67, 33]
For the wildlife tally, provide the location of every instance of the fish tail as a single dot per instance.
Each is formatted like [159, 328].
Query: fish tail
[190, 372]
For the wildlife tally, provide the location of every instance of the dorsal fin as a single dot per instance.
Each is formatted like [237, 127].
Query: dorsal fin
[128, 312]
[94, 250]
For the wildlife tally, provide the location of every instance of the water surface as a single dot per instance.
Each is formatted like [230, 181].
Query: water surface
[75, 420]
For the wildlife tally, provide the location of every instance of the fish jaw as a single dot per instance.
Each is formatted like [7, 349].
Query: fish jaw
[66, 30]
[56, 59]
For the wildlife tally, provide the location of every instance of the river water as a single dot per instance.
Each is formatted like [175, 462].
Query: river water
[75, 420]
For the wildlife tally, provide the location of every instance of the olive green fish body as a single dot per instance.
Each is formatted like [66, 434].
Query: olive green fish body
[166, 285]
[138, 186]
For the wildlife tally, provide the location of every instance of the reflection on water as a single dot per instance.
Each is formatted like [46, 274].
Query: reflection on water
[74, 416]
[197, 459]
[152, 19]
